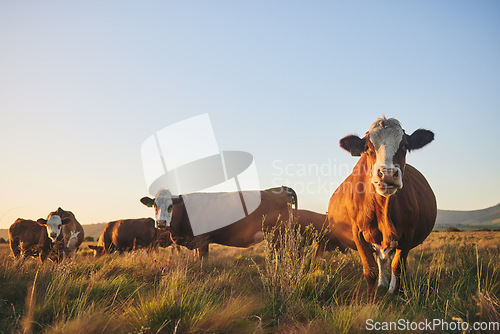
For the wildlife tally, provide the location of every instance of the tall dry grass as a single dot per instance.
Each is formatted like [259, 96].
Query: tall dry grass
[276, 286]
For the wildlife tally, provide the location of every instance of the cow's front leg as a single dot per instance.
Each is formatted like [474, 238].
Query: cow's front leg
[384, 260]
[370, 271]
[398, 266]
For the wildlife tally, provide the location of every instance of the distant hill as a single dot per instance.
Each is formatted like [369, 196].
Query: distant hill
[93, 230]
[484, 217]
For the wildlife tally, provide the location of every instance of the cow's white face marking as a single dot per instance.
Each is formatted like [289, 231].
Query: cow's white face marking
[386, 136]
[54, 227]
[164, 208]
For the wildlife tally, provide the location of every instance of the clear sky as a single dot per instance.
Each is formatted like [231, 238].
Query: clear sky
[84, 83]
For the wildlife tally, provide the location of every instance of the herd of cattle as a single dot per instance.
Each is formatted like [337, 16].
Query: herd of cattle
[371, 212]
[60, 235]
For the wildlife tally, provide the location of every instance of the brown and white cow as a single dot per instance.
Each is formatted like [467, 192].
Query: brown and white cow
[27, 238]
[62, 226]
[131, 234]
[171, 213]
[385, 207]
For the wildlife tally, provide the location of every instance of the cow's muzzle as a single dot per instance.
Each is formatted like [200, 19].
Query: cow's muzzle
[161, 224]
[387, 181]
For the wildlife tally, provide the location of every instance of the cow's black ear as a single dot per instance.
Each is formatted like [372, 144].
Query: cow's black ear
[353, 144]
[177, 199]
[66, 220]
[42, 222]
[147, 201]
[419, 139]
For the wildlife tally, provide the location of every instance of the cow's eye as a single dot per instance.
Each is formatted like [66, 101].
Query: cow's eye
[170, 208]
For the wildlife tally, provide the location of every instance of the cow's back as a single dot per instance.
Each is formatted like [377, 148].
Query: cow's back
[104, 240]
[275, 206]
[26, 231]
[132, 233]
[305, 218]
[28, 237]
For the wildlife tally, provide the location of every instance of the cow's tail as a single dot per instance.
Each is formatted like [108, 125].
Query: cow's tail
[293, 194]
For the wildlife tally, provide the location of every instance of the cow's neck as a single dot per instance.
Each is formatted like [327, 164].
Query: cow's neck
[377, 224]
[384, 222]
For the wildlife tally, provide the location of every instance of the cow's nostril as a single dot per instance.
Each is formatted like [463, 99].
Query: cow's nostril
[396, 173]
[379, 173]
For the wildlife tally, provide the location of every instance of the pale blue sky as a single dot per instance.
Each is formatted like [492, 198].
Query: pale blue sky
[83, 84]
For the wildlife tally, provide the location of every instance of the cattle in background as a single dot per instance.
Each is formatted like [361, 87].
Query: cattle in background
[131, 234]
[62, 227]
[275, 205]
[319, 223]
[27, 238]
[385, 207]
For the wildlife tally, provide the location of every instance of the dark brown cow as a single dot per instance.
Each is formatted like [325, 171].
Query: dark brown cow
[319, 223]
[27, 238]
[63, 223]
[385, 207]
[131, 234]
[275, 205]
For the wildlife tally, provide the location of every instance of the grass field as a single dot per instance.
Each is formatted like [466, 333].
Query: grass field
[452, 276]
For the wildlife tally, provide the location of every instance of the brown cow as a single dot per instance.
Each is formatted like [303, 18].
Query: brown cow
[27, 238]
[385, 207]
[319, 223]
[171, 212]
[130, 234]
[63, 223]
